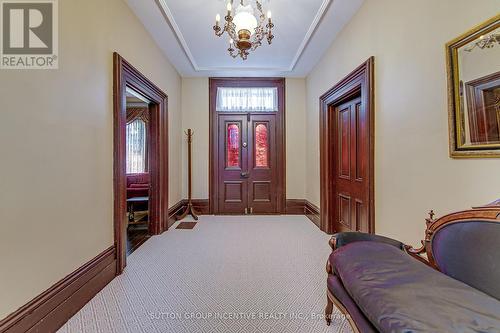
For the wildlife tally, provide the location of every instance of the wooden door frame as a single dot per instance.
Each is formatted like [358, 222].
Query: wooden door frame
[125, 75]
[279, 83]
[360, 81]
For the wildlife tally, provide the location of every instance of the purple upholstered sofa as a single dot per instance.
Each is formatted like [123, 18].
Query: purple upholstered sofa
[450, 284]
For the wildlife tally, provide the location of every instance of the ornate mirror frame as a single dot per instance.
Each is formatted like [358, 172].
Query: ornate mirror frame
[457, 150]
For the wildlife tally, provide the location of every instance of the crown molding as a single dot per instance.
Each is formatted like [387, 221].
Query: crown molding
[312, 28]
[167, 14]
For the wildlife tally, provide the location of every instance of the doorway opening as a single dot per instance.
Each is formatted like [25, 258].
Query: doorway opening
[247, 146]
[347, 153]
[137, 168]
[140, 159]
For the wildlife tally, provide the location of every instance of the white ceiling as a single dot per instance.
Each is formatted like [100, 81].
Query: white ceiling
[304, 29]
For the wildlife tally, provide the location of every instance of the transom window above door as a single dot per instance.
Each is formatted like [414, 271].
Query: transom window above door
[237, 99]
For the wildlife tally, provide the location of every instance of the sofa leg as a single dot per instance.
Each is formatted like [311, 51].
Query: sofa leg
[328, 311]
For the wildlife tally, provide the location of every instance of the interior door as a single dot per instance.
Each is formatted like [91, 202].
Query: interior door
[233, 161]
[262, 180]
[247, 164]
[351, 152]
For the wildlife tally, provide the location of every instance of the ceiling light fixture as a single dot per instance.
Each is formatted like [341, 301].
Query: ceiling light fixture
[245, 30]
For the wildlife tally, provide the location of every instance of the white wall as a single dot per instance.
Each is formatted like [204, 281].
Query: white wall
[56, 135]
[295, 138]
[413, 171]
[195, 115]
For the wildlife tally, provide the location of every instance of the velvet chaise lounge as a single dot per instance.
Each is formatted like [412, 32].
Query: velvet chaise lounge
[450, 284]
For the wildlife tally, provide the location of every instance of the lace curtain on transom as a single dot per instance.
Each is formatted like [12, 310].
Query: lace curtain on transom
[247, 99]
[136, 146]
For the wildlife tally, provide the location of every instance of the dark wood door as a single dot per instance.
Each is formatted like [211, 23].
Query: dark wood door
[484, 116]
[350, 138]
[233, 160]
[247, 164]
[262, 180]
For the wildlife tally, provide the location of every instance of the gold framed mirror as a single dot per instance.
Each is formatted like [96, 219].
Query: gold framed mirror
[473, 64]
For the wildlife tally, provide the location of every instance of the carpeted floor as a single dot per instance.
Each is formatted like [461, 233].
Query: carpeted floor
[228, 274]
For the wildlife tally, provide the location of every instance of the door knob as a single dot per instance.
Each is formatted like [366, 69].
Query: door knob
[244, 175]
[245, 144]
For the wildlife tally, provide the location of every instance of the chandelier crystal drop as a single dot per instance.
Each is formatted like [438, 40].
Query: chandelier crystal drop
[246, 29]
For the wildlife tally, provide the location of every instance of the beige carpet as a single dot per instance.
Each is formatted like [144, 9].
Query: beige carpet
[228, 274]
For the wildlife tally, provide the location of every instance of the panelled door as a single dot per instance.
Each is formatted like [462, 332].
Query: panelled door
[350, 153]
[347, 145]
[233, 160]
[247, 159]
[247, 146]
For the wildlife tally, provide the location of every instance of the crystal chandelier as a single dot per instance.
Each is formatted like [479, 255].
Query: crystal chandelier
[245, 29]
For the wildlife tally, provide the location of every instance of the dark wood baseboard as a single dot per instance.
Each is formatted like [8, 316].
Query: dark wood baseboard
[295, 206]
[174, 211]
[312, 212]
[200, 205]
[303, 207]
[54, 307]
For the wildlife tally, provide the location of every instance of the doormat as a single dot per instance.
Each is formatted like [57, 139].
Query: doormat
[186, 225]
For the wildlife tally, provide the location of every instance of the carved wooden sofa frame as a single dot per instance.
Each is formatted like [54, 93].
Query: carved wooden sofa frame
[490, 213]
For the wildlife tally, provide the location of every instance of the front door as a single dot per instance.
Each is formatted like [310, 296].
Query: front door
[248, 179]
[350, 153]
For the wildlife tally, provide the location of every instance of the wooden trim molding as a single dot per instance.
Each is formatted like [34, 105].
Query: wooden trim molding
[425, 253]
[295, 206]
[200, 205]
[313, 213]
[54, 307]
[126, 76]
[174, 211]
[279, 83]
[303, 207]
[359, 80]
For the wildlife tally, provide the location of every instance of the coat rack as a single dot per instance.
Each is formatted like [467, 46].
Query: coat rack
[189, 210]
